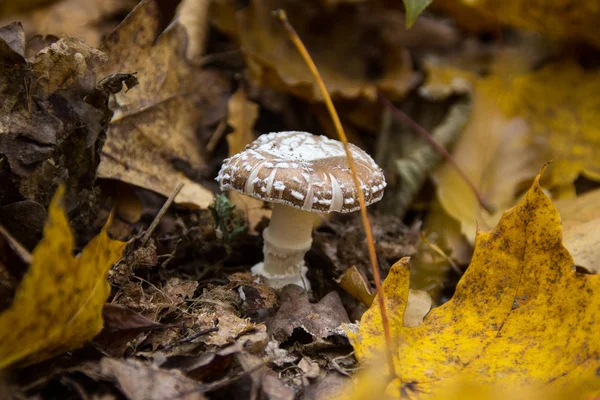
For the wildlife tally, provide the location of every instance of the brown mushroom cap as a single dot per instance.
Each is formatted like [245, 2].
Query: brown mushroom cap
[304, 171]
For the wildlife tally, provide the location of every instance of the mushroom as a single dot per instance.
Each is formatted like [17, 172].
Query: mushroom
[300, 173]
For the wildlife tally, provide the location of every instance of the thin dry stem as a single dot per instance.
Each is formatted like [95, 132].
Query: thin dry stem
[280, 14]
[398, 114]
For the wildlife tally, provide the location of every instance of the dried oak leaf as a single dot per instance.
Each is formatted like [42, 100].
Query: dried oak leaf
[152, 139]
[565, 19]
[313, 325]
[353, 58]
[138, 381]
[86, 20]
[48, 133]
[58, 304]
[520, 312]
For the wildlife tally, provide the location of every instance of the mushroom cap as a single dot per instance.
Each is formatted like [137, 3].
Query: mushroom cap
[304, 171]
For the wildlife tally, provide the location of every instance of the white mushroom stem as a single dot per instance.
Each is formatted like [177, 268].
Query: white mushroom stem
[287, 239]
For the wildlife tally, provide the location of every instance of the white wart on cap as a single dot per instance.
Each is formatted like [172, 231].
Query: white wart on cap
[304, 171]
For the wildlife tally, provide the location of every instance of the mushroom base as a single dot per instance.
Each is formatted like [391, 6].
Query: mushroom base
[287, 239]
[279, 281]
[283, 265]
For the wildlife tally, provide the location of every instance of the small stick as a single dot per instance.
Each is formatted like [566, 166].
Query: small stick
[439, 251]
[191, 337]
[161, 212]
[280, 14]
[400, 115]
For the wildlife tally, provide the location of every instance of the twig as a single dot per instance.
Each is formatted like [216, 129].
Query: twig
[280, 14]
[18, 247]
[191, 337]
[216, 136]
[225, 382]
[161, 212]
[439, 251]
[400, 115]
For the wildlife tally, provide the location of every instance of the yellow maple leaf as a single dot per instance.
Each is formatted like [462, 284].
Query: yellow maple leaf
[58, 304]
[521, 318]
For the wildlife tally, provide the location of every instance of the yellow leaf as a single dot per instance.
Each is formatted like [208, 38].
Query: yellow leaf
[58, 304]
[521, 316]
[495, 151]
[567, 19]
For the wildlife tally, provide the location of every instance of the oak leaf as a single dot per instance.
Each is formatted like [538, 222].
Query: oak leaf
[58, 304]
[521, 316]
[152, 138]
[355, 59]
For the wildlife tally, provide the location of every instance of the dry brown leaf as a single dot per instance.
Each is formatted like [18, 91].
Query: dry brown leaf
[138, 381]
[297, 315]
[152, 136]
[88, 20]
[353, 59]
[581, 228]
[242, 116]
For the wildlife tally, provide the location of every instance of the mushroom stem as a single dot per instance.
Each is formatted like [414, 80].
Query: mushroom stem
[287, 239]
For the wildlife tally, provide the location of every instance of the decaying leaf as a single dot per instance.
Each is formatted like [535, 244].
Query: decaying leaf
[274, 62]
[138, 381]
[58, 304]
[48, 132]
[313, 325]
[152, 139]
[520, 312]
[121, 325]
[581, 228]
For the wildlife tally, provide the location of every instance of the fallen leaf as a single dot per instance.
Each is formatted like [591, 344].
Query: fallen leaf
[353, 282]
[566, 19]
[313, 325]
[414, 8]
[581, 224]
[520, 312]
[497, 152]
[152, 137]
[255, 292]
[122, 325]
[58, 304]
[86, 20]
[44, 115]
[352, 39]
[242, 116]
[138, 381]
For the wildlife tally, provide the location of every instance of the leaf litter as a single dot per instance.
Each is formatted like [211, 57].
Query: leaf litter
[159, 101]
